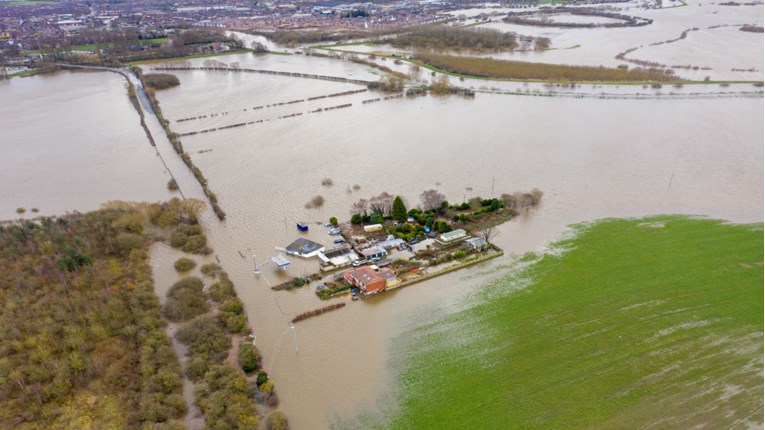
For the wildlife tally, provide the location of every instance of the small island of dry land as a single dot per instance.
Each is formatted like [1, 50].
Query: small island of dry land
[385, 246]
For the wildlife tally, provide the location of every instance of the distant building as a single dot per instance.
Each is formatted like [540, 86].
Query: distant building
[304, 248]
[373, 252]
[452, 236]
[477, 243]
[369, 281]
[373, 227]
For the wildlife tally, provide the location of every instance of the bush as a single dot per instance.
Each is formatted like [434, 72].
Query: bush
[172, 185]
[316, 202]
[210, 269]
[333, 221]
[276, 421]
[232, 315]
[20, 210]
[356, 219]
[160, 81]
[205, 337]
[376, 219]
[262, 378]
[184, 264]
[126, 242]
[248, 357]
[459, 254]
[185, 300]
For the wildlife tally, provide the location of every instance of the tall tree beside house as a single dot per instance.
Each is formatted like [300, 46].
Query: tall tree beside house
[399, 209]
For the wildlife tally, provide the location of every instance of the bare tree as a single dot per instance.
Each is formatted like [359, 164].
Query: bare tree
[360, 207]
[488, 234]
[431, 199]
[381, 204]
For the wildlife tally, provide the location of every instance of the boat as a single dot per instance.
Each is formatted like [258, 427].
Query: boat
[333, 232]
[302, 226]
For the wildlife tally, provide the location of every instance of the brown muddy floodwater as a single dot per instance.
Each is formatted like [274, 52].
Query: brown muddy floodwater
[72, 141]
[592, 158]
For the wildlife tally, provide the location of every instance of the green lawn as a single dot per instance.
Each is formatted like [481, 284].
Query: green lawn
[655, 322]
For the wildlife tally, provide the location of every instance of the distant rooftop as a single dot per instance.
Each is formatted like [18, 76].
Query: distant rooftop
[304, 247]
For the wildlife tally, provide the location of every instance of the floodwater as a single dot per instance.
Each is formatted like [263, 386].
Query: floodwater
[592, 158]
[72, 141]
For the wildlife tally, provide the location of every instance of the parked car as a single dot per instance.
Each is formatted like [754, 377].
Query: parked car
[358, 263]
[334, 232]
[415, 240]
[432, 234]
[321, 287]
[340, 240]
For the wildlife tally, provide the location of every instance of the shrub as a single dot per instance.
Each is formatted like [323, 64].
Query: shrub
[262, 378]
[185, 300]
[333, 221]
[376, 218]
[20, 210]
[221, 290]
[160, 81]
[232, 315]
[205, 337]
[172, 185]
[184, 264]
[459, 254]
[327, 182]
[356, 219]
[126, 242]
[210, 269]
[277, 421]
[248, 357]
[316, 202]
[299, 282]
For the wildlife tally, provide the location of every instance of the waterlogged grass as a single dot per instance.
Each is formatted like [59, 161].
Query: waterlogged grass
[654, 322]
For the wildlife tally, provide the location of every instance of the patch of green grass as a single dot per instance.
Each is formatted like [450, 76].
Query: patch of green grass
[657, 321]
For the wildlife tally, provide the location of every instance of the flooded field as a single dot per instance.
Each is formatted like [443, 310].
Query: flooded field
[72, 141]
[592, 158]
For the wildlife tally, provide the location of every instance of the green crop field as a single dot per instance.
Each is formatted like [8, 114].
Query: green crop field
[654, 323]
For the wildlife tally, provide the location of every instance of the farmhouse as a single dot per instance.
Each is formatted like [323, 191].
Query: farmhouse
[369, 281]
